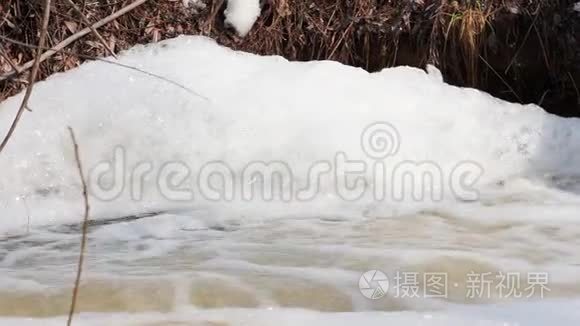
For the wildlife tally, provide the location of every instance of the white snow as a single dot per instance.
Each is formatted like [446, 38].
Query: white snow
[242, 14]
[434, 72]
[266, 109]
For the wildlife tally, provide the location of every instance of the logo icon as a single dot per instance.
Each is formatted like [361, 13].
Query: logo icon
[373, 284]
[381, 140]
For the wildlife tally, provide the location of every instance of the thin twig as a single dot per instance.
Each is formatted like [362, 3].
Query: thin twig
[543, 48]
[27, 215]
[7, 58]
[575, 86]
[88, 57]
[541, 101]
[85, 227]
[12, 64]
[340, 40]
[523, 43]
[33, 74]
[501, 78]
[78, 35]
[93, 29]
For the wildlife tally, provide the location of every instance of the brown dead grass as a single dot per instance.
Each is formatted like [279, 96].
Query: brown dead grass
[519, 50]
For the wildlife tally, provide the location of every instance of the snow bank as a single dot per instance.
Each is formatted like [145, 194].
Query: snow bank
[263, 109]
[242, 14]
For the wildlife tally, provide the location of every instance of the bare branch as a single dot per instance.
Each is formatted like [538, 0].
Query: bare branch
[78, 35]
[93, 29]
[88, 57]
[33, 74]
[87, 209]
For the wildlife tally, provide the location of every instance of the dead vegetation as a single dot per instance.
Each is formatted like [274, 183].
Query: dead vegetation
[519, 50]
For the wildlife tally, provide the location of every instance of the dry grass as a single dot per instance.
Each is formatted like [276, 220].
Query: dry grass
[19, 20]
[520, 50]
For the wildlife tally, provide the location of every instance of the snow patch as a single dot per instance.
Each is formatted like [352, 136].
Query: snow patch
[434, 73]
[262, 109]
[242, 14]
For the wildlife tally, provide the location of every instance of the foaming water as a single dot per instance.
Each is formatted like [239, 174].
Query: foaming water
[160, 263]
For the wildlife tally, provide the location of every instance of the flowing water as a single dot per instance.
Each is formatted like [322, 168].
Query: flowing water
[164, 262]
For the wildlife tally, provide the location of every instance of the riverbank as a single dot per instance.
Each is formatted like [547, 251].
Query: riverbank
[520, 51]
